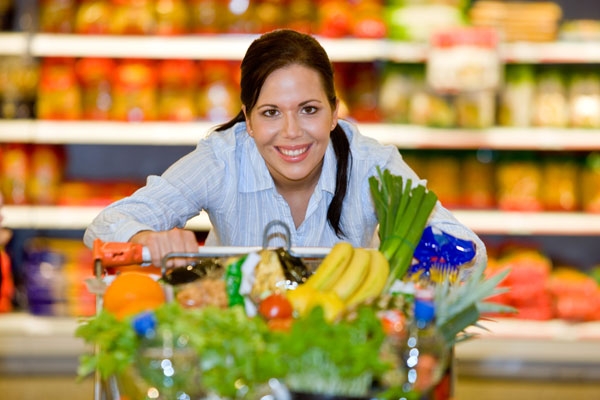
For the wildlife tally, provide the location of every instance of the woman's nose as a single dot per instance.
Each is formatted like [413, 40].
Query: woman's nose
[292, 127]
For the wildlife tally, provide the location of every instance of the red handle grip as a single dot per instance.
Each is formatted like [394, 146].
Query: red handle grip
[112, 254]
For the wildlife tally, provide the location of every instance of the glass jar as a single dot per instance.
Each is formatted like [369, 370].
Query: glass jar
[57, 16]
[177, 82]
[93, 17]
[132, 17]
[134, 91]
[95, 77]
[172, 17]
[59, 97]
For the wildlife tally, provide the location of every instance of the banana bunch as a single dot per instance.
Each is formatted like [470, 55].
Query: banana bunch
[347, 276]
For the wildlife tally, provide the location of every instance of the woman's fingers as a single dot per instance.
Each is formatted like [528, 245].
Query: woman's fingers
[162, 243]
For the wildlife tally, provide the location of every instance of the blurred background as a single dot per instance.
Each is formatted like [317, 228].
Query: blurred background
[495, 103]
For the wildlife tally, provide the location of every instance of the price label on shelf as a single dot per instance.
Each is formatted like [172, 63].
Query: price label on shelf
[463, 60]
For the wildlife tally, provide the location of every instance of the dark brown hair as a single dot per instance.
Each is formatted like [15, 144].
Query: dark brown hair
[278, 49]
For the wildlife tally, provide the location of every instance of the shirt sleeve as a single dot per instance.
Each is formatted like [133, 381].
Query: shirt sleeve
[189, 185]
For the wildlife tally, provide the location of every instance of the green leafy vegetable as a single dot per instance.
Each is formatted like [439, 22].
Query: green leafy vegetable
[402, 211]
[115, 344]
[333, 358]
[237, 354]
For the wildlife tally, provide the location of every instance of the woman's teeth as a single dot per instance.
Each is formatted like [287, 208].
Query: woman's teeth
[294, 152]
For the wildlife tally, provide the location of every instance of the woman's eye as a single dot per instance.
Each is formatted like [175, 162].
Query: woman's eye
[270, 113]
[310, 109]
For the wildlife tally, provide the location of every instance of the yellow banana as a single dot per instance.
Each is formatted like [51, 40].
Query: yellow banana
[374, 282]
[354, 275]
[332, 266]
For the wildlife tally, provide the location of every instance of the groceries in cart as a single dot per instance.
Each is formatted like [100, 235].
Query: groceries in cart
[290, 323]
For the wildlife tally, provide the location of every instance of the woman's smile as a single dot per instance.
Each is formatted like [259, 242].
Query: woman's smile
[293, 153]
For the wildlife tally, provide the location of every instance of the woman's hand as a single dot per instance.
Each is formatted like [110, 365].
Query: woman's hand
[162, 243]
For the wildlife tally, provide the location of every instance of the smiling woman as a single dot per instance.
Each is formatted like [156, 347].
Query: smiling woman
[285, 156]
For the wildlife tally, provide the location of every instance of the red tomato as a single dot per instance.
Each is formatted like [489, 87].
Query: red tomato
[280, 324]
[275, 306]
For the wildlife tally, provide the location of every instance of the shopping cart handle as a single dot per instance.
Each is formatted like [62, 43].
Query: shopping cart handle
[114, 254]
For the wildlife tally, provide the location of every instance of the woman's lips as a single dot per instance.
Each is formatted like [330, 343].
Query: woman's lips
[294, 153]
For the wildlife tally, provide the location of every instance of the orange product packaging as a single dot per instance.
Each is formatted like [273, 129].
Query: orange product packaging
[301, 16]
[217, 96]
[590, 183]
[576, 295]
[519, 183]
[177, 82]
[132, 17]
[172, 17]
[527, 281]
[46, 174]
[269, 14]
[444, 177]
[86, 193]
[95, 76]
[368, 21]
[14, 172]
[561, 177]
[334, 19]
[59, 97]
[208, 16]
[134, 91]
[93, 17]
[57, 16]
[477, 180]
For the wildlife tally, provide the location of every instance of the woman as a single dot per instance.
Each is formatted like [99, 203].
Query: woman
[286, 156]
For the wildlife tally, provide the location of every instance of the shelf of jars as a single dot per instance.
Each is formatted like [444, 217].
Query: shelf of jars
[233, 47]
[402, 136]
[483, 222]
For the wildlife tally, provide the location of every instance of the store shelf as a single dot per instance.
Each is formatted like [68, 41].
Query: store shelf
[530, 223]
[482, 222]
[233, 47]
[213, 47]
[402, 136]
[67, 217]
[547, 350]
[421, 137]
[527, 349]
[92, 132]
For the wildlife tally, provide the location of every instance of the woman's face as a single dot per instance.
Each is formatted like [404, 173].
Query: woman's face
[291, 124]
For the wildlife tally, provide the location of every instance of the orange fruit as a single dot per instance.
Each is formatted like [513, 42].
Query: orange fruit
[131, 293]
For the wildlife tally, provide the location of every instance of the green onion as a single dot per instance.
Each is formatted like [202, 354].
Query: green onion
[402, 212]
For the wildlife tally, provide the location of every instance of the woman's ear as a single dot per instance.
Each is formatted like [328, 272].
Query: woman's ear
[248, 125]
[334, 114]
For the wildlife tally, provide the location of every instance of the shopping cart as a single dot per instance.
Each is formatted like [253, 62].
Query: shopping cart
[112, 257]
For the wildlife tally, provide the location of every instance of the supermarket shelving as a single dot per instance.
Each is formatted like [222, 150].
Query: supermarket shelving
[232, 47]
[514, 347]
[483, 222]
[403, 136]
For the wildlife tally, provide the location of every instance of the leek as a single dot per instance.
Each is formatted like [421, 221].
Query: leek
[402, 211]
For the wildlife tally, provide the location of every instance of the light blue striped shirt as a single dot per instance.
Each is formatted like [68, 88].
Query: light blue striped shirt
[226, 176]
